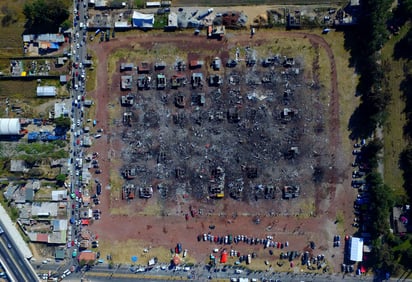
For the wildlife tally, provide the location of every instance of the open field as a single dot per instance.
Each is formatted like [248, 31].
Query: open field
[394, 141]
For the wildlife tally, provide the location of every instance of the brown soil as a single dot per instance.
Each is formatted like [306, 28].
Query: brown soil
[172, 227]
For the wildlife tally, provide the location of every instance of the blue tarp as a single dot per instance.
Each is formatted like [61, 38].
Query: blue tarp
[54, 45]
[32, 136]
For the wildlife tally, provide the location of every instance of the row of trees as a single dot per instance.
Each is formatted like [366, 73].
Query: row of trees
[45, 16]
[402, 50]
[370, 36]
[365, 43]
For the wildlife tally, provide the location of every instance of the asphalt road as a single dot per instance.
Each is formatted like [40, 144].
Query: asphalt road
[14, 260]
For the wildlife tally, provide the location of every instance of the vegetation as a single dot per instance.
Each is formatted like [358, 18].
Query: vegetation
[10, 16]
[60, 178]
[370, 35]
[45, 16]
[62, 122]
[390, 253]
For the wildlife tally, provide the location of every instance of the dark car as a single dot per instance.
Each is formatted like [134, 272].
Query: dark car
[312, 245]
[179, 248]
[231, 63]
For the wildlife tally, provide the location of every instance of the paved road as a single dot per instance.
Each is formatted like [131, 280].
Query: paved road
[15, 261]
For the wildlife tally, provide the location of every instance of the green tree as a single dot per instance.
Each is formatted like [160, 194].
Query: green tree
[45, 15]
[62, 122]
[60, 178]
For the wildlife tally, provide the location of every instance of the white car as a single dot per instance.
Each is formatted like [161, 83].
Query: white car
[77, 46]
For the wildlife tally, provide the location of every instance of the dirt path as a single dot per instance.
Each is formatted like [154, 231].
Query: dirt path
[166, 232]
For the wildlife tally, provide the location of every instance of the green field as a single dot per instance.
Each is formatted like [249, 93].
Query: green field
[394, 141]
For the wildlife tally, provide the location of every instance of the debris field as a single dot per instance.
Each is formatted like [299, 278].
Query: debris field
[233, 123]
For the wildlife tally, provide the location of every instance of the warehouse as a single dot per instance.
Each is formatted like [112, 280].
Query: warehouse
[46, 91]
[9, 126]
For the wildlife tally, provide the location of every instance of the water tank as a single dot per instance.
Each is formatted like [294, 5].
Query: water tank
[9, 126]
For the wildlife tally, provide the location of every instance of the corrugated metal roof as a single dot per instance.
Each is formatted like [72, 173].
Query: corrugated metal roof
[46, 91]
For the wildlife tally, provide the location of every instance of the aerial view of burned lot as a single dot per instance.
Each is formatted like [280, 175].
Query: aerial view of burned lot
[220, 146]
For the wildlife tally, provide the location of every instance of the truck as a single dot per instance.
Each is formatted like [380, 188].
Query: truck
[204, 14]
[98, 189]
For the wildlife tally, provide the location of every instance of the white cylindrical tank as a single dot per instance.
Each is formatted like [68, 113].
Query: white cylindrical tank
[10, 126]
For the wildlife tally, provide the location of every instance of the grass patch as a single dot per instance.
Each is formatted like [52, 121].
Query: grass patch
[11, 210]
[160, 21]
[393, 140]
[91, 73]
[347, 82]
[122, 251]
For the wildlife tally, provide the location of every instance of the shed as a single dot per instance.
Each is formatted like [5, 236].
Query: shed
[87, 257]
[88, 103]
[46, 91]
[10, 126]
[63, 79]
[29, 195]
[59, 195]
[140, 20]
[172, 20]
[126, 66]
[356, 248]
[59, 254]
[122, 25]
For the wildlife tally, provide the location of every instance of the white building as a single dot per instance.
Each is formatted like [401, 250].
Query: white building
[46, 91]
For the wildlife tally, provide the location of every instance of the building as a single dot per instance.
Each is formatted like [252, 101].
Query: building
[126, 82]
[140, 20]
[59, 195]
[122, 25]
[63, 79]
[356, 249]
[59, 254]
[172, 21]
[126, 66]
[46, 91]
[10, 126]
[100, 4]
[60, 110]
[87, 257]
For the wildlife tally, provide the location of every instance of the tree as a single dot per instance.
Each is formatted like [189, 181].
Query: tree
[45, 15]
[62, 122]
[60, 178]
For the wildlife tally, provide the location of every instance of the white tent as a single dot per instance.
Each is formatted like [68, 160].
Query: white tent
[140, 20]
[356, 249]
[10, 126]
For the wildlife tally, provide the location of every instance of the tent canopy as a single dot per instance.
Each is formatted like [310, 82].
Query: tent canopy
[356, 249]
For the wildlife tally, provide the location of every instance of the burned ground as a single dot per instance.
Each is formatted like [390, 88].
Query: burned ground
[256, 128]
